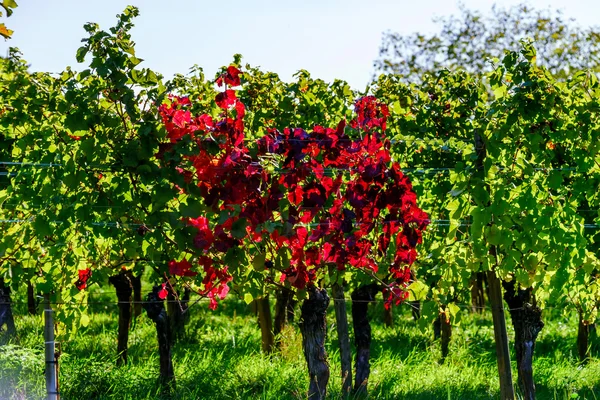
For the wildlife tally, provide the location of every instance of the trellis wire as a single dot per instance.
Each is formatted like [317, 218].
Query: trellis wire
[420, 170]
[438, 222]
[205, 299]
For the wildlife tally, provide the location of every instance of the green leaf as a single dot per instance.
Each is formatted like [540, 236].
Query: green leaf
[9, 4]
[555, 179]
[283, 258]
[3, 196]
[192, 208]
[301, 294]
[75, 122]
[417, 291]
[458, 189]
[238, 228]
[236, 259]
[87, 147]
[84, 320]
[493, 235]
[500, 92]
[145, 246]
[258, 262]
[81, 53]
[453, 205]
[430, 310]
[454, 309]
[151, 77]
[396, 107]
[42, 226]
[522, 278]
[528, 51]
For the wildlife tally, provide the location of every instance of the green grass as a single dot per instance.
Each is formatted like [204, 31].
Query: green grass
[220, 358]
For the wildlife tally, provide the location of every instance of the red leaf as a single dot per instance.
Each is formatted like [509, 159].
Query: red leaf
[204, 122]
[162, 293]
[226, 99]
[200, 222]
[223, 291]
[181, 118]
[84, 275]
[295, 197]
[240, 109]
[181, 268]
[232, 77]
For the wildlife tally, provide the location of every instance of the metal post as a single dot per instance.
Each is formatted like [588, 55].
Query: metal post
[50, 346]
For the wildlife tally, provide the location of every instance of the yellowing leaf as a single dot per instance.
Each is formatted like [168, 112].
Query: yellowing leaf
[417, 291]
[5, 32]
[85, 320]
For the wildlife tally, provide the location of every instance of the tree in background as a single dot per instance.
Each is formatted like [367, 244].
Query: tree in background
[470, 39]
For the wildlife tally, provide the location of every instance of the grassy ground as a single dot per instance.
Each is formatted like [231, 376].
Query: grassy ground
[220, 358]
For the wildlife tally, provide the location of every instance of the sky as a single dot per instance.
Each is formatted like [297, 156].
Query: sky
[329, 38]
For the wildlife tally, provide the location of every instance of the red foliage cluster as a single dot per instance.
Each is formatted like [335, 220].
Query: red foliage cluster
[84, 275]
[350, 193]
[181, 268]
[348, 202]
[215, 281]
[231, 77]
[371, 114]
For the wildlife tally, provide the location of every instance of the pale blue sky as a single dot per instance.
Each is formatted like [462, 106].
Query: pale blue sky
[329, 38]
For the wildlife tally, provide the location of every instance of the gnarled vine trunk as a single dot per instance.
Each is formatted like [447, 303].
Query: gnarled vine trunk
[527, 320]
[361, 298]
[388, 317]
[6, 315]
[31, 303]
[478, 292]
[155, 308]
[583, 334]
[291, 310]
[341, 318]
[137, 295]
[446, 331]
[283, 298]
[437, 328]
[266, 324]
[442, 329]
[124, 288]
[177, 311]
[313, 326]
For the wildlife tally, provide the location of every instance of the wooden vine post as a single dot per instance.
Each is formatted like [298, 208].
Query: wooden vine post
[341, 318]
[507, 391]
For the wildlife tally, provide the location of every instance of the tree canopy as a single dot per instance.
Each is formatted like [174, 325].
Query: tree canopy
[470, 40]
